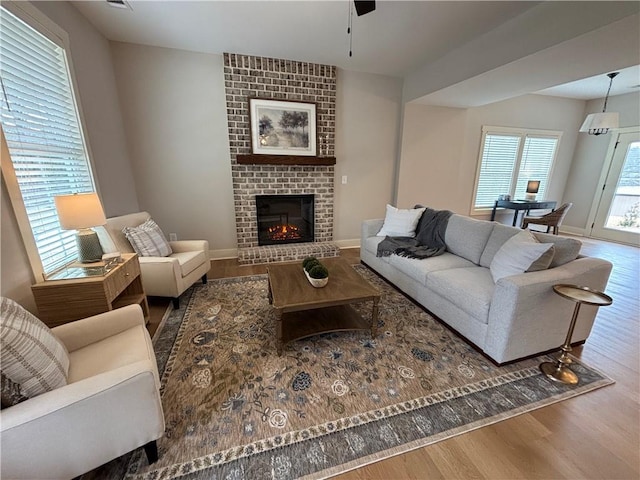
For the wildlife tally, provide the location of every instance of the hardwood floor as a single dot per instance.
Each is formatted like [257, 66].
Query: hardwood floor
[592, 436]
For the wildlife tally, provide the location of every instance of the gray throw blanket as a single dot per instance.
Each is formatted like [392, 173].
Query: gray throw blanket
[429, 239]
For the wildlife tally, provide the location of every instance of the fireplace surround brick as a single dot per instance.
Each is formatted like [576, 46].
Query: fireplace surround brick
[249, 76]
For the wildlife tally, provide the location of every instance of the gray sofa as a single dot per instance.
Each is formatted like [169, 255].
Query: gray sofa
[515, 317]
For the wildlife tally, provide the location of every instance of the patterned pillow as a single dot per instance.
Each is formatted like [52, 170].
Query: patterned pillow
[10, 393]
[30, 354]
[148, 240]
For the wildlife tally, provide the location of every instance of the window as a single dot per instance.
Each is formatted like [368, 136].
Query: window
[42, 132]
[509, 158]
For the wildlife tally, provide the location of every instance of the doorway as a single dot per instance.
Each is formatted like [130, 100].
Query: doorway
[618, 213]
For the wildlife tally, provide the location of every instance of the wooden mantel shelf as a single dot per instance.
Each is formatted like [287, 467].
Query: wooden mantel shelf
[284, 160]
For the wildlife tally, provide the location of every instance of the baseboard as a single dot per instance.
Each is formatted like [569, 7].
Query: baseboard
[223, 253]
[580, 232]
[350, 243]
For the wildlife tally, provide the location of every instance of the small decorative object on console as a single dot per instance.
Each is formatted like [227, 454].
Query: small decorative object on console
[315, 271]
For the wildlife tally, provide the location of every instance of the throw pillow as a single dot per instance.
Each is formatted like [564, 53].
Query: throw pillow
[400, 223]
[148, 240]
[566, 249]
[30, 354]
[519, 254]
[10, 393]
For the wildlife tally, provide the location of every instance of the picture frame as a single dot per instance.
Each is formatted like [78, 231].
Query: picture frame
[283, 127]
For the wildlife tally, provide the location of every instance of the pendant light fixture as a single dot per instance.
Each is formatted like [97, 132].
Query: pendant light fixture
[599, 123]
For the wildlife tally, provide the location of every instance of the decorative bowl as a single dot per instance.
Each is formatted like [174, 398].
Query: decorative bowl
[316, 282]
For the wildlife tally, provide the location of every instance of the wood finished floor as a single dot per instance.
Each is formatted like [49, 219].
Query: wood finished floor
[592, 436]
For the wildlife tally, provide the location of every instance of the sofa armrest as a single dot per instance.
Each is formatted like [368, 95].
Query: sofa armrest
[79, 334]
[190, 246]
[370, 228]
[61, 423]
[526, 311]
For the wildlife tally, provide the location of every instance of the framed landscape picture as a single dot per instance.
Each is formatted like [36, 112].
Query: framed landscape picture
[280, 127]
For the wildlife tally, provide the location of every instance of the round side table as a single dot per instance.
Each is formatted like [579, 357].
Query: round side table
[559, 371]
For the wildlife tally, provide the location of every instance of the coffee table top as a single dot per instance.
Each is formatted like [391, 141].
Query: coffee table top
[291, 291]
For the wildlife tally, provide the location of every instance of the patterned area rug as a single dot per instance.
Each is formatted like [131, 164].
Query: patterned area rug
[235, 410]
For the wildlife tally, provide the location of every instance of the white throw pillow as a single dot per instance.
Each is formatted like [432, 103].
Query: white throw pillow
[30, 354]
[518, 254]
[400, 223]
[148, 240]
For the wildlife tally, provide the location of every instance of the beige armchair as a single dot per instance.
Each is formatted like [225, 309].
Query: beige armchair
[110, 406]
[161, 276]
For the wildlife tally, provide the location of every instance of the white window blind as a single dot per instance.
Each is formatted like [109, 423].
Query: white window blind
[41, 127]
[509, 159]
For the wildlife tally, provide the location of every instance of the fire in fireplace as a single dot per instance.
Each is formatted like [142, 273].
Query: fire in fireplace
[284, 219]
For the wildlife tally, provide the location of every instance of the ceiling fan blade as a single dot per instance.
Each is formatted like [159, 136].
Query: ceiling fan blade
[364, 6]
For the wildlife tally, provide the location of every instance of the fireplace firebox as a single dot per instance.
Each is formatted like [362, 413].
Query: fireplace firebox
[285, 219]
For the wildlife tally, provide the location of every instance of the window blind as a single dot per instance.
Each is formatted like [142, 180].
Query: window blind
[41, 127]
[498, 161]
[537, 158]
[508, 160]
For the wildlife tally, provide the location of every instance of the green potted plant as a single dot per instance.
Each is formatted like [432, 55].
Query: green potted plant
[315, 271]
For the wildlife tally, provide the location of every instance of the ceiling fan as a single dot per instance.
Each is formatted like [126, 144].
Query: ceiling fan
[362, 7]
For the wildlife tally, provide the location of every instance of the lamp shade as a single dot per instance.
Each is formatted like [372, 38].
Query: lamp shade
[80, 210]
[533, 186]
[597, 123]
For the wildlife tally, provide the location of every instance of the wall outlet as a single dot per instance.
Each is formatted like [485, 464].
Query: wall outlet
[344, 179]
[173, 237]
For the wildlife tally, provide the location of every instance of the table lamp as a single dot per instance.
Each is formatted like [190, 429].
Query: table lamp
[81, 211]
[532, 188]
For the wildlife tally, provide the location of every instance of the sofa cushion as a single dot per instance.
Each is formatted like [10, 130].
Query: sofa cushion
[467, 237]
[189, 261]
[520, 253]
[470, 289]
[148, 240]
[500, 234]
[371, 244]
[418, 269]
[566, 249]
[400, 223]
[30, 354]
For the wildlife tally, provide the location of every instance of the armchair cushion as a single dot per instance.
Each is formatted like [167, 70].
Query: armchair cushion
[31, 355]
[189, 261]
[148, 240]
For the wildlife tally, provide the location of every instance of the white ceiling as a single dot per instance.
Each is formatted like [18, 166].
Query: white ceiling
[627, 81]
[396, 39]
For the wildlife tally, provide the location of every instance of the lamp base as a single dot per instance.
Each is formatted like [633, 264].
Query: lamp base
[89, 248]
[530, 197]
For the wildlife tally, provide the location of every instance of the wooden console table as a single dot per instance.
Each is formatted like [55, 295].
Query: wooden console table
[81, 292]
[518, 205]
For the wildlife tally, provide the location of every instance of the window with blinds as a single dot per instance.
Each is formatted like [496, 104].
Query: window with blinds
[511, 157]
[42, 131]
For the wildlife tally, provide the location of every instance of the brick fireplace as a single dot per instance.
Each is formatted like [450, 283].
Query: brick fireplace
[249, 76]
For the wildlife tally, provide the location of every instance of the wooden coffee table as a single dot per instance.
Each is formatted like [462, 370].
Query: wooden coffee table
[303, 310]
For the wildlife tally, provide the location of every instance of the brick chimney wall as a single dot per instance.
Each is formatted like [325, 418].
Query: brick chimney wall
[248, 76]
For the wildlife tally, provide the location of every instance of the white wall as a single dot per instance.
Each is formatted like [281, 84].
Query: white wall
[431, 158]
[98, 96]
[367, 116]
[440, 147]
[590, 156]
[174, 110]
[90, 57]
